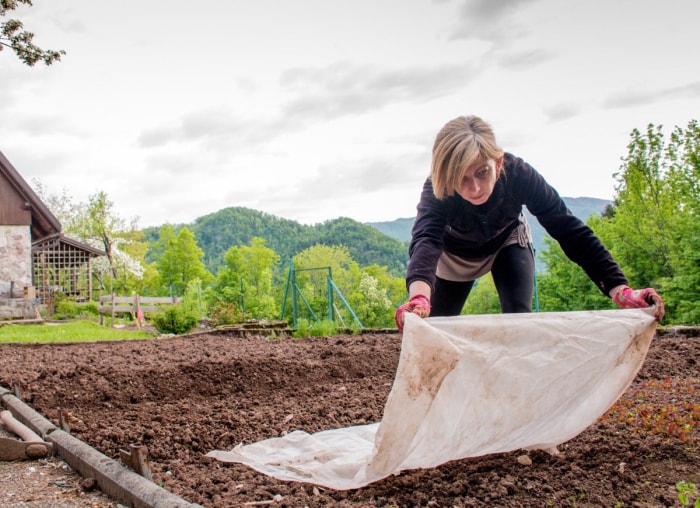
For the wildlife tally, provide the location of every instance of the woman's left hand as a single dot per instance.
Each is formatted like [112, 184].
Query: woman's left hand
[628, 298]
[418, 304]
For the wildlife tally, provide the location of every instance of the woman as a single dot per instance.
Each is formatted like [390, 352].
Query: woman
[470, 222]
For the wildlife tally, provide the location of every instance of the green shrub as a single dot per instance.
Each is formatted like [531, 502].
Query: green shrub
[174, 319]
[225, 313]
[66, 309]
[88, 309]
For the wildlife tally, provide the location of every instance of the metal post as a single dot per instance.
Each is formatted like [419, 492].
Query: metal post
[294, 296]
[347, 305]
[286, 288]
[242, 298]
[330, 295]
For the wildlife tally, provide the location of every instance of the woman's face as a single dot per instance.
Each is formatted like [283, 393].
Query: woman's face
[479, 180]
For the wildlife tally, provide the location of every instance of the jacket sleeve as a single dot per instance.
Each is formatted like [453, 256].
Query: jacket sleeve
[426, 238]
[577, 240]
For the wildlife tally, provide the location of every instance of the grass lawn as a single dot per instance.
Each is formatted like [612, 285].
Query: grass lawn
[73, 331]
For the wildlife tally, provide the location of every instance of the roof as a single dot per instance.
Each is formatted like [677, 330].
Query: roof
[52, 240]
[44, 223]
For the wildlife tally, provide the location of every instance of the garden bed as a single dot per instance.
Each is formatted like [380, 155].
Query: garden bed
[185, 396]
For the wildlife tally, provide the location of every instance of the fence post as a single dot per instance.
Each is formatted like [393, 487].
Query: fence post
[112, 325]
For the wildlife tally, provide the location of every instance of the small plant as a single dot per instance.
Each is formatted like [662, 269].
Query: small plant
[175, 320]
[324, 328]
[302, 329]
[317, 329]
[273, 335]
[666, 407]
[355, 329]
[686, 492]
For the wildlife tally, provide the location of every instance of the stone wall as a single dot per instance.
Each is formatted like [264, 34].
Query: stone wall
[15, 260]
[18, 308]
[16, 273]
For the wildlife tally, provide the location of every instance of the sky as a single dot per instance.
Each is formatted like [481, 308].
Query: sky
[311, 110]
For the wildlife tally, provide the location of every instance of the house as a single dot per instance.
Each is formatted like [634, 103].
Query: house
[36, 260]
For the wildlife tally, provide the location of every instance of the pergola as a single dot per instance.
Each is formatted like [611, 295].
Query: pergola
[62, 265]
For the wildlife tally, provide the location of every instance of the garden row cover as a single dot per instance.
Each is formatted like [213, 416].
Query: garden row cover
[469, 386]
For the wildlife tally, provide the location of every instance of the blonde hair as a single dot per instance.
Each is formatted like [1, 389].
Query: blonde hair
[462, 142]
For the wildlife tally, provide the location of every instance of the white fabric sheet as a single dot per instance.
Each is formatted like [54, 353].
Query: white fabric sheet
[469, 386]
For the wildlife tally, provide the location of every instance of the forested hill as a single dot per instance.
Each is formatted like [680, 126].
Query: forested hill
[236, 226]
[381, 243]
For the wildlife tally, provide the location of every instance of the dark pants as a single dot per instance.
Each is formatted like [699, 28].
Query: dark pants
[513, 274]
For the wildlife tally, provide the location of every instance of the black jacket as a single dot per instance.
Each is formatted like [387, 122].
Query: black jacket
[475, 231]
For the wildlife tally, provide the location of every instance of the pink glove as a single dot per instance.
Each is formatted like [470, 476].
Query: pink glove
[629, 298]
[419, 304]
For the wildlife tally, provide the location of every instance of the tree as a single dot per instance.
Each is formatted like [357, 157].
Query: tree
[565, 286]
[245, 280]
[97, 223]
[640, 227]
[683, 289]
[655, 223]
[180, 260]
[100, 222]
[652, 229]
[61, 205]
[395, 288]
[682, 293]
[371, 302]
[13, 36]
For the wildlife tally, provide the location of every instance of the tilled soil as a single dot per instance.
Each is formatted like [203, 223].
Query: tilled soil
[185, 396]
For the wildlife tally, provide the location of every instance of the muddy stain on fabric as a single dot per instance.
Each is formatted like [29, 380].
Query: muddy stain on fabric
[424, 374]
